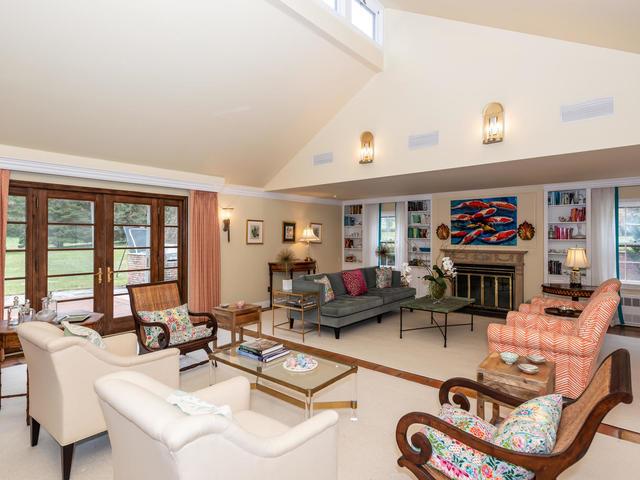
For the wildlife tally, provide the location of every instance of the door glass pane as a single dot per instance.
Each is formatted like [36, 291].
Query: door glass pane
[17, 208]
[131, 214]
[16, 236]
[171, 236]
[132, 236]
[171, 274]
[171, 216]
[14, 264]
[70, 211]
[14, 288]
[170, 257]
[62, 262]
[131, 259]
[70, 236]
[72, 287]
[121, 305]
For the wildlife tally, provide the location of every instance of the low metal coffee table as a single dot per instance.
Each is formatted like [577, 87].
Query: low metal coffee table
[445, 306]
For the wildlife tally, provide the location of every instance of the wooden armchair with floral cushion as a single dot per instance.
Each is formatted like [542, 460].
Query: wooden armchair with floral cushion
[163, 320]
[539, 303]
[464, 446]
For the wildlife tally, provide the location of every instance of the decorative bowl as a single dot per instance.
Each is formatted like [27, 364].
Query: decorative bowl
[240, 303]
[509, 357]
[535, 358]
[528, 368]
[565, 309]
[300, 363]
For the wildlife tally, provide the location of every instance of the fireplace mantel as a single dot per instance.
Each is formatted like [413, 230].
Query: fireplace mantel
[492, 256]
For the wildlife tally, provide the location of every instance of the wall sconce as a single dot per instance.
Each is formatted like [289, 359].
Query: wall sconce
[226, 221]
[366, 147]
[493, 119]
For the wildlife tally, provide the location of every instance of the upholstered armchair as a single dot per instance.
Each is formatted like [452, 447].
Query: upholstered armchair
[573, 345]
[62, 371]
[151, 438]
[539, 303]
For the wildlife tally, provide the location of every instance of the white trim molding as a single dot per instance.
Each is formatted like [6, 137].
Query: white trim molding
[246, 191]
[609, 182]
[391, 199]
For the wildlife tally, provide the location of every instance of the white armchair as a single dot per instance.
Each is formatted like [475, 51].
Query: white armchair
[62, 371]
[151, 438]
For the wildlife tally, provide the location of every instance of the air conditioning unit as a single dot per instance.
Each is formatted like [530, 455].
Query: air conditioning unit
[631, 308]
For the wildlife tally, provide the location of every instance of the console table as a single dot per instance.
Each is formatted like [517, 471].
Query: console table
[297, 266]
[566, 290]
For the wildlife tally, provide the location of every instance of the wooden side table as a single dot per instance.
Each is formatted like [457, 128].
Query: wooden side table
[232, 318]
[508, 379]
[566, 290]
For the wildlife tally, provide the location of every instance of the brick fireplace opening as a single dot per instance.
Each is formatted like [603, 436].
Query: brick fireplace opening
[494, 277]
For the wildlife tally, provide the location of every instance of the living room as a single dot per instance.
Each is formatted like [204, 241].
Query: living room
[272, 229]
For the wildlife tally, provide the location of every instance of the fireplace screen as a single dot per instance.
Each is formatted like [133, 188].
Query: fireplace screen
[491, 286]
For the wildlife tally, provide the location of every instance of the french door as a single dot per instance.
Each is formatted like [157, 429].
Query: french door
[85, 247]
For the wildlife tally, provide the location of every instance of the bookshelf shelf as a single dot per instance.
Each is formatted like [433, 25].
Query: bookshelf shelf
[352, 234]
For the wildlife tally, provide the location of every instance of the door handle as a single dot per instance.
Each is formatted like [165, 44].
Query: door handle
[99, 275]
[109, 274]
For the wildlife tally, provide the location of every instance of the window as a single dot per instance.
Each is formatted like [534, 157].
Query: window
[388, 233]
[364, 15]
[333, 4]
[85, 246]
[363, 18]
[629, 243]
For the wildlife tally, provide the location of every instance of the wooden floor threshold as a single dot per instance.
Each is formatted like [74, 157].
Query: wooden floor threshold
[605, 429]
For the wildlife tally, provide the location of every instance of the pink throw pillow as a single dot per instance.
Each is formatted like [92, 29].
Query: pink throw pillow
[354, 282]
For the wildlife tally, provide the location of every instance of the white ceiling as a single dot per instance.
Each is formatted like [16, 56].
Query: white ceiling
[604, 23]
[230, 88]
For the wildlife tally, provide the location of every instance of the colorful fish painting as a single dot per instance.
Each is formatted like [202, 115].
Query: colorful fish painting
[484, 221]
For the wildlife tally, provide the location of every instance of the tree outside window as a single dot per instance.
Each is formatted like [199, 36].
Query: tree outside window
[629, 243]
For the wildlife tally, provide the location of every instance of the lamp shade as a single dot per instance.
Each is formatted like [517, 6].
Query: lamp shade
[308, 235]
[577, 258]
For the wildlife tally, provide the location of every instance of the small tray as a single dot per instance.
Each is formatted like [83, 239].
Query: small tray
[528, 368]
[312, 365]
[558, 312]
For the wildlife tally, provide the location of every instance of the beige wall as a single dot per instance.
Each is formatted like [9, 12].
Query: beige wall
[531, 206]
[629, 193]
[245, 273]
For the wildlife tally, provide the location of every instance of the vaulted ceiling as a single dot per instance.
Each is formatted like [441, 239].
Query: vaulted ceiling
[226, 88]
[603, 23]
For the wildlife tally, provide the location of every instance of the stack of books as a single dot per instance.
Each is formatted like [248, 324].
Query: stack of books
[262, 350]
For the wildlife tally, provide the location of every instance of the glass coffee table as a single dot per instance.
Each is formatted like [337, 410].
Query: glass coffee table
[444, 306]
[286, 384]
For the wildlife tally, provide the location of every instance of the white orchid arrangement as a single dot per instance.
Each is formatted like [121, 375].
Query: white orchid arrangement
[440, 275]
[405, 274]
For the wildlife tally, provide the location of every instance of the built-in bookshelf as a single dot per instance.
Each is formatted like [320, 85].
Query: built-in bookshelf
[352, 234]
[567, 225]
[419, 241]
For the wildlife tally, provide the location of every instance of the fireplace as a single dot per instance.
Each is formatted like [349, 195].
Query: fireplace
[494, 277]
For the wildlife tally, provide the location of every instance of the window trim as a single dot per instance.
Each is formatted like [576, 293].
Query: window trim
[343, 9]
[632, 203]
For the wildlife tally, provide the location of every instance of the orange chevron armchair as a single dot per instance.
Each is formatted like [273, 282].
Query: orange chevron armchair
[573, 345]
[539, 303]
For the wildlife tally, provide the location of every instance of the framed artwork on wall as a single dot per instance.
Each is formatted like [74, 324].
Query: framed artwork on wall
[255, 232]
[288, 232]
[484, 221]
[317, 231]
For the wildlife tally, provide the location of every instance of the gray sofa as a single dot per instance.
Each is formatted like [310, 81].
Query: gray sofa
[347, 310]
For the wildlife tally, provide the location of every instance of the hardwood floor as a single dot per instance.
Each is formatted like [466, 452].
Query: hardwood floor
[625, 331]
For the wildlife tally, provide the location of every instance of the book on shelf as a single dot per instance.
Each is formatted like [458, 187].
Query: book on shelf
[574, 197]
[418, 205]
[261, 346]
[555, 267]
[266, 358]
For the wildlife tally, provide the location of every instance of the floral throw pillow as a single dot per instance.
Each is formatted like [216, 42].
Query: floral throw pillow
[383, 277]
[177, 319]
[329, 295]
[354, 282]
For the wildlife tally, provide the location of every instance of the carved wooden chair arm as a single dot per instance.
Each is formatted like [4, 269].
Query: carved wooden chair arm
[461, 399]
[211, 320]
[416, 453]
[163, 338]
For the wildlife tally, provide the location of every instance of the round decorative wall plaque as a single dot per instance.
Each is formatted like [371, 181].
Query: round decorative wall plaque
[443, 232]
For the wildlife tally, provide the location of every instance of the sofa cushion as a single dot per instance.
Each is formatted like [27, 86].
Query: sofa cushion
[329, 296]
[392, 294]
[177, 319]
[347, 305]
[337, 284]
[354, 282]
[383, 277]
[93, 337]
[370, 276]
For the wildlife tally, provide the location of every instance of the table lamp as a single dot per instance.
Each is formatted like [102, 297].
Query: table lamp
[308, 236]
[576, 259]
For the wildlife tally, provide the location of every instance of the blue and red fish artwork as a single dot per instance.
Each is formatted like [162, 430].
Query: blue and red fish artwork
[484, 221]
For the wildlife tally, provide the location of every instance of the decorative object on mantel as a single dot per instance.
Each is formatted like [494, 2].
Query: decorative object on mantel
[309, 237]
[226, 221]
[286, 258]
[526, 231]
[486, 221]
[442, 232]
[576, 259]
[437, 278]
[493, 123]
[366, 148]
[255, 232]
[288, 232]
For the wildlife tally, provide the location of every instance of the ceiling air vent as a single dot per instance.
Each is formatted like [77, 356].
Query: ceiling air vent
[322, 158]
[590, 109]
[423, 140]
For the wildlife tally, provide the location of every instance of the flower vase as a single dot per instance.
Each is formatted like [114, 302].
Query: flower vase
[437, 291]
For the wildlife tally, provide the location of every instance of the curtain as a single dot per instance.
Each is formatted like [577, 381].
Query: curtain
[604, 254]
[204, 251]
[401, 234]
[4, 212]
[371, 230]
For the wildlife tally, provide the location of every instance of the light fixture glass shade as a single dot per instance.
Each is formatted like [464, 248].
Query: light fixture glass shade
[226, 213]
[308, 235]
[366, 147]
[577, 258]
[493, 123]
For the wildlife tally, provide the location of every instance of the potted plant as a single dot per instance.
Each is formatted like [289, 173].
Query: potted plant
[383, 251]
[405, 275]
[286, 258]
[437, 278]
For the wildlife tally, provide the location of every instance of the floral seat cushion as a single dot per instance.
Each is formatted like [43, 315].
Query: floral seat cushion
[176, 319]
[194, 333]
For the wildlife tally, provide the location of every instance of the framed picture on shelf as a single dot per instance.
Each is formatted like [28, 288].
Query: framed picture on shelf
[317, 231]
[288, 232]
[255, 232]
